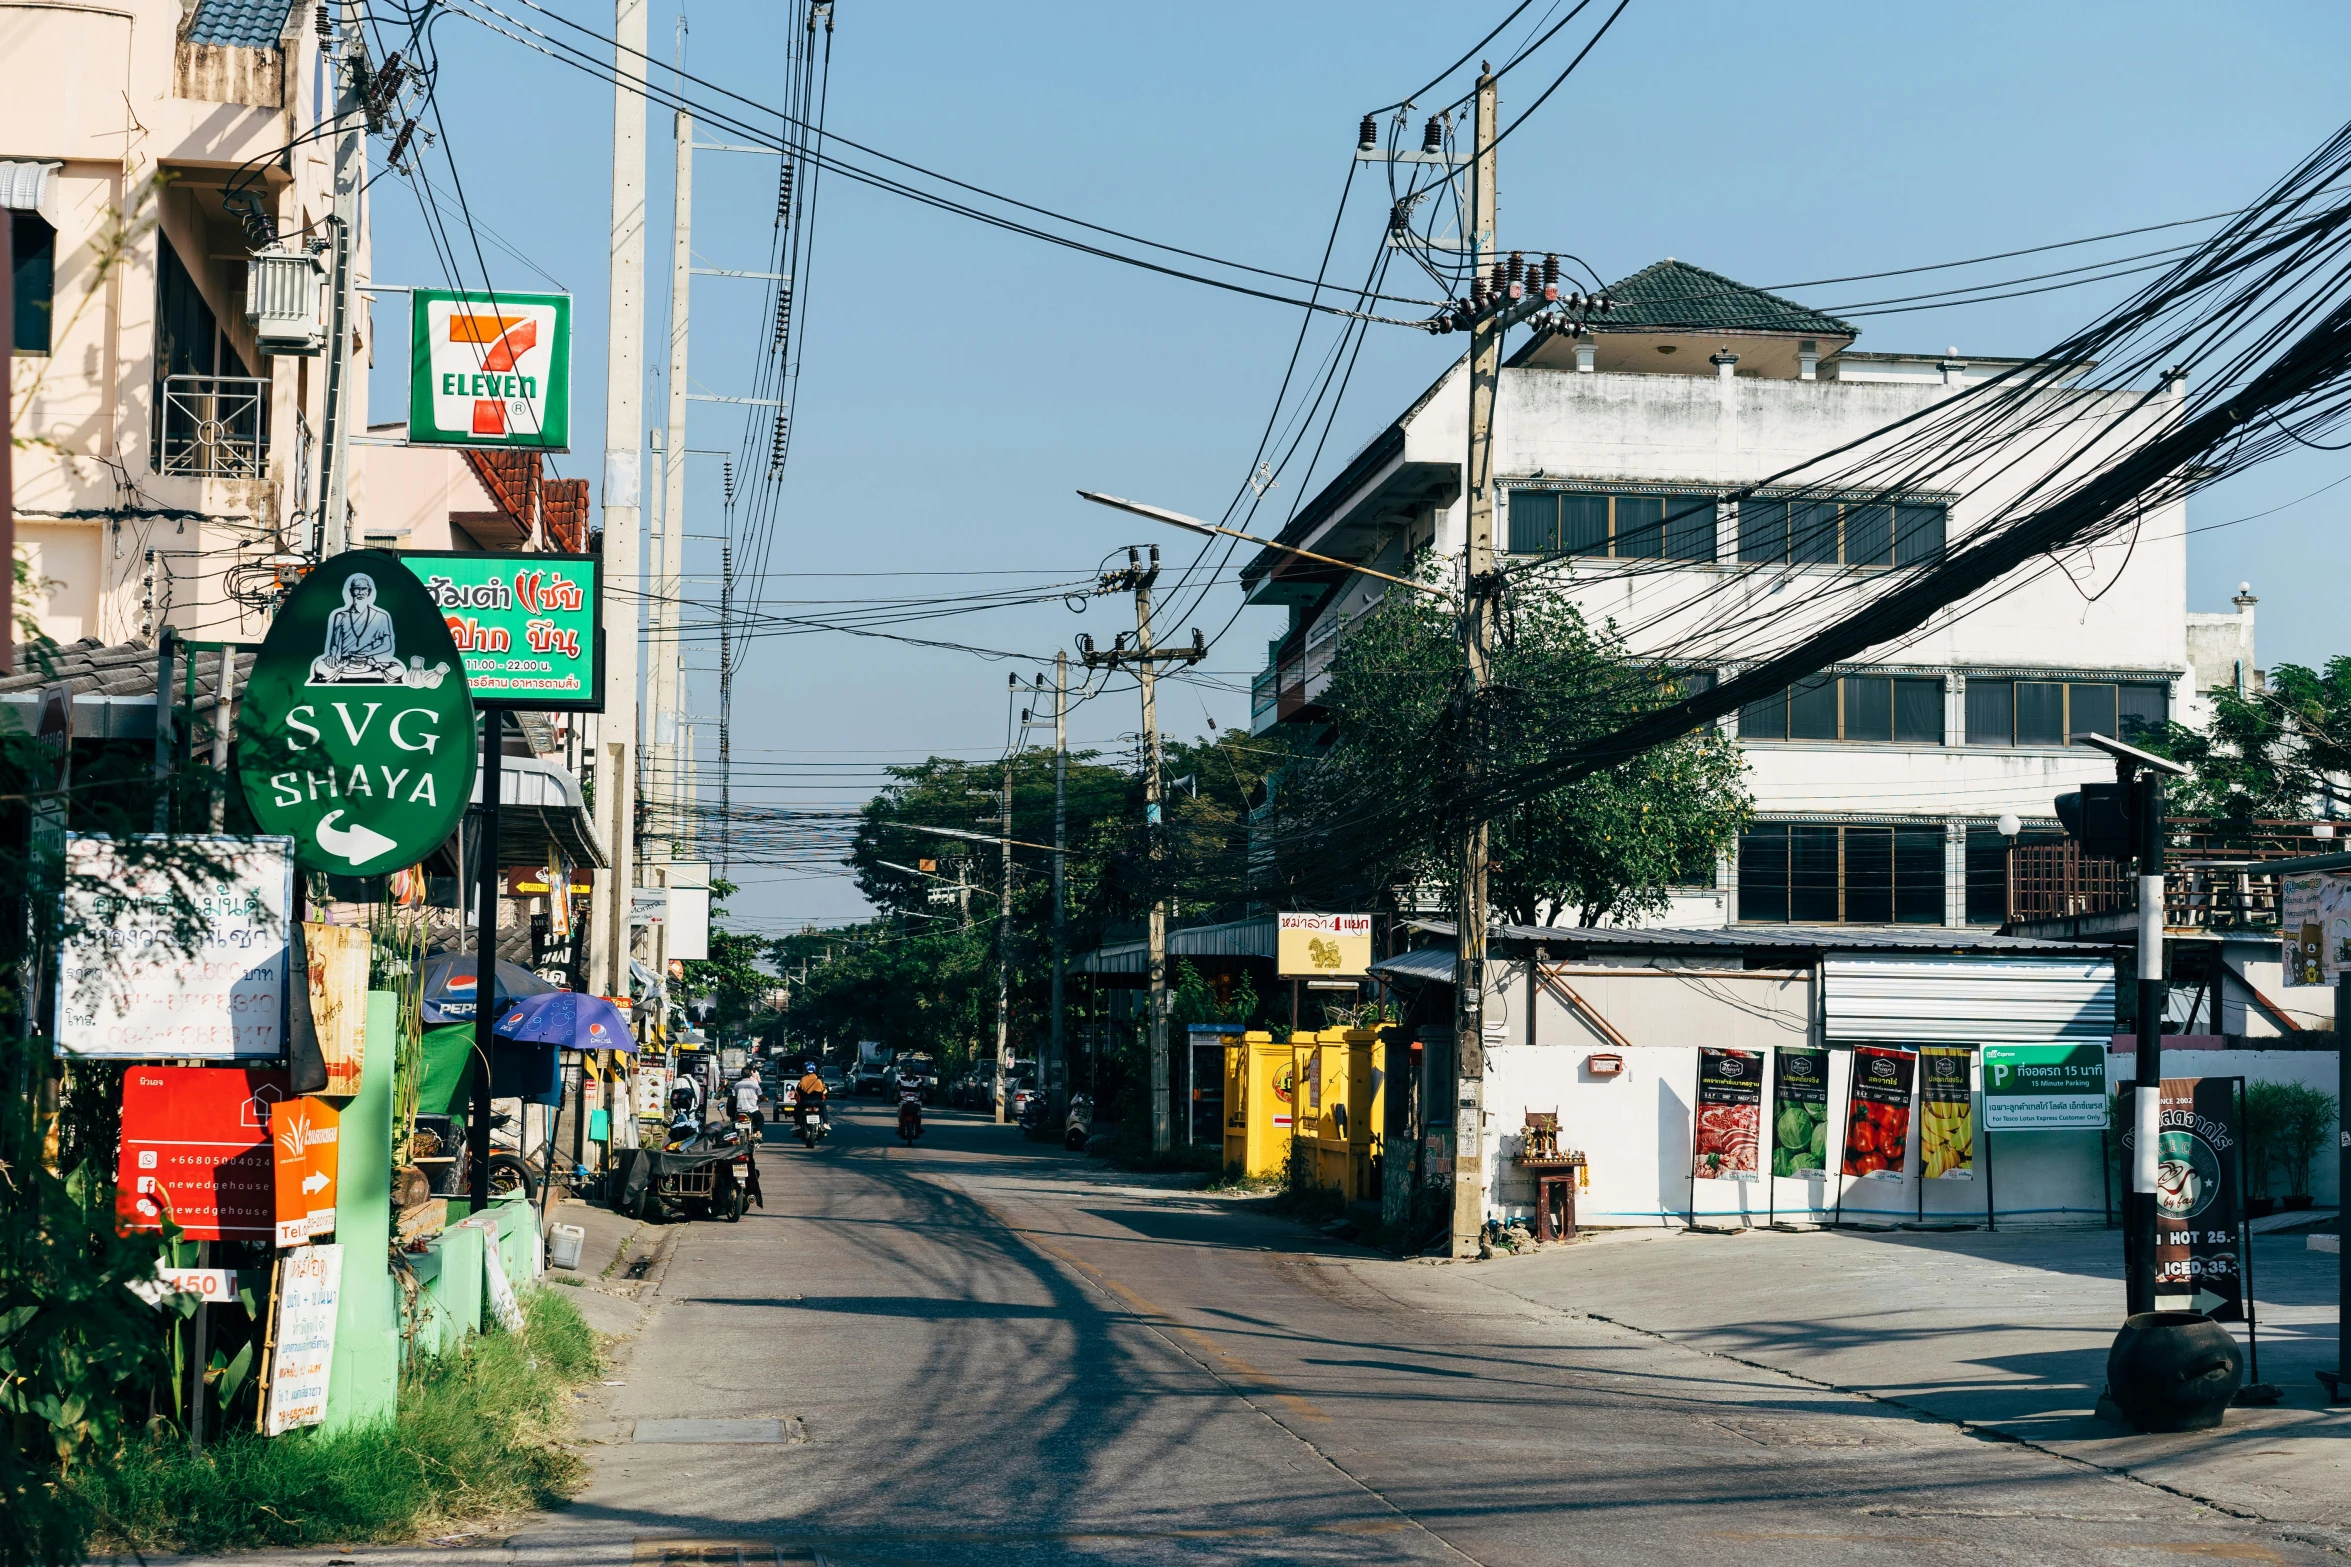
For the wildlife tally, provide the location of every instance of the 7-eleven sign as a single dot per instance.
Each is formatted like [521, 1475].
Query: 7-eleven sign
[490, 370]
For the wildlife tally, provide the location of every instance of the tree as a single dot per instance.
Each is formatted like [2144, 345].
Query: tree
[1606, 848]
[2274, 753]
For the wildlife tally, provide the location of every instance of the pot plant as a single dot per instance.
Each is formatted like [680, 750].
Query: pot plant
[2307, 1117]
[2265, 1120]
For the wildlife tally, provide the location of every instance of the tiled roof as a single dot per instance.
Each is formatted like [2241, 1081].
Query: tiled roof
[239, 24]
[126, 669]
[1674, 296]
[563, 511]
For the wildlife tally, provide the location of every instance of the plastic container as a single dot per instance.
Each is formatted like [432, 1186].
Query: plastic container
[564, 1242]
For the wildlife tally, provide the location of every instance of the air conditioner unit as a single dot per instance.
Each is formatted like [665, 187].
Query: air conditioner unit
[285, 300]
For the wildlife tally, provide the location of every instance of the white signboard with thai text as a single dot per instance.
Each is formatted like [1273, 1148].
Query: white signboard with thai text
[309, 1291]
[164, 962]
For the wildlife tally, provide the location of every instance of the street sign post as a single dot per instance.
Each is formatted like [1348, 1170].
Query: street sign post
[356, 735]
[489, 370]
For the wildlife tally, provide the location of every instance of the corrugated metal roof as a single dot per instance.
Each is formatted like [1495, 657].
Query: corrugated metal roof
[1931, 999]
[239, 24]
[1422, 965]
[1784, 938]
[1250, 938]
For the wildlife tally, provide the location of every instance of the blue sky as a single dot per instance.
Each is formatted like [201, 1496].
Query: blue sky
[959, 382]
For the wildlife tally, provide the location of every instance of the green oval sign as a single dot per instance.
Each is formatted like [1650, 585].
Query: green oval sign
[356, 734]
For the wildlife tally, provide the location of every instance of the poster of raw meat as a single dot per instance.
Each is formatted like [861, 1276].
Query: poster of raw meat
[2197, 1204]
[1946, 1113]
[1800, 1113]
[1878, 1124]
[1730, 1106]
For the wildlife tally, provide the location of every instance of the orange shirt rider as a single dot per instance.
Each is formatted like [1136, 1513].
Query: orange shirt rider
[811, 1091]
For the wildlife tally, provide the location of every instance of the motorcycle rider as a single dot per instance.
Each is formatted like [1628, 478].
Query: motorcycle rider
[812, 1092]
[909, 1102]
[747, 1100]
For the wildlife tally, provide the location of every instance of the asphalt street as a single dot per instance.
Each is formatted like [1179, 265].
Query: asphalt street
[982, 1352]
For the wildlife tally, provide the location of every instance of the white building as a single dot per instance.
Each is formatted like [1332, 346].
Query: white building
[1877, 786]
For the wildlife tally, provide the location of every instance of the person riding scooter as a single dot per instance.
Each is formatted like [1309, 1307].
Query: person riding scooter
[910, 1088]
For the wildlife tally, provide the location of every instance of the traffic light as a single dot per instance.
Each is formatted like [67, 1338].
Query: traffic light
[2102, 818]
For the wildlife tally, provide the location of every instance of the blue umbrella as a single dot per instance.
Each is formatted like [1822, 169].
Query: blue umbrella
[569, 1019]
[451, 981]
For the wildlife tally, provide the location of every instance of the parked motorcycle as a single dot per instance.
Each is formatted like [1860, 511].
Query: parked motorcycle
[1080, 1123]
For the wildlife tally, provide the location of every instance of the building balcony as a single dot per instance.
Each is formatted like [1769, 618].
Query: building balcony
[1263, 701]
[213, 426]
[2214, 881]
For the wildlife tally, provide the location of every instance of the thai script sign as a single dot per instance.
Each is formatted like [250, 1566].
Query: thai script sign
[1800, 1112]
[2198, 1201]
[1322, 946]
[2044, 1087]
[526, 625]
[310, 1289]
[305, 1149]
[1730, 1108]
[1946, 1113]
[489, 370]
[2314, 923]
[159, 964]
[195, 1146]
[1877, 1122]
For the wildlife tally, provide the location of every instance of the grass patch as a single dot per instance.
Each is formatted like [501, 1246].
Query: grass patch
[476, 1437]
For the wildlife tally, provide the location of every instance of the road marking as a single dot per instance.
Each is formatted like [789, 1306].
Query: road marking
[2224, 1551]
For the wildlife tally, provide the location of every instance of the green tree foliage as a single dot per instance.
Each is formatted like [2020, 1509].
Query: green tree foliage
[1603, 849]
[2267, 753]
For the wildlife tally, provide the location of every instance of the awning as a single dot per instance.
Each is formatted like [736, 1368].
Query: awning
[30, 187]
[1967, 1001]
[540, 803]
[1251, 938]
[1420, 966]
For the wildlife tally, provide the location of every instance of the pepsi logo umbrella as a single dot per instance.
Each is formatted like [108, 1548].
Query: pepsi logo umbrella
[451, 982]
[568, 1019]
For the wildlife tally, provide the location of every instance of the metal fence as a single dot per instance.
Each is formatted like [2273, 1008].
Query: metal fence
[213, 426]
[2055, 880]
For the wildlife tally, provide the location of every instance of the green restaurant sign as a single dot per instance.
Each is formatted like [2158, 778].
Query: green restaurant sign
[489, 370]
[356, 732]
[526, 625]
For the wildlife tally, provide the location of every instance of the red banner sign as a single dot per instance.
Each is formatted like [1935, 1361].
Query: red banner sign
[195, 1144]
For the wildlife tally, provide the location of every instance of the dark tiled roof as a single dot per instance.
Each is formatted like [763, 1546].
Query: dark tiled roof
[126, 669]
[1673, 296]
[239, 24]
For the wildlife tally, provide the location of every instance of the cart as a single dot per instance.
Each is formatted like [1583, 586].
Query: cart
[696, 1184]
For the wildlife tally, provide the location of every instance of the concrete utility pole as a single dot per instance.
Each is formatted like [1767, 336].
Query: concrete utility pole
[1056, 1068]
[334, 516]
[1136, 579]
[669, 718]
[1004, 954]
[2147, 1120]
[624, 484]
[1477, 638]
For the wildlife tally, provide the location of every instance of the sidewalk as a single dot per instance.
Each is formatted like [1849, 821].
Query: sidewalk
[2004, 1332]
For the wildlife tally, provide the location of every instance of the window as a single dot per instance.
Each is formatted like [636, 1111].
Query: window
[35, 280]
[1881, 709]
[2055, 712]
[1624, 527]
[1839, 533]
[1797, 873]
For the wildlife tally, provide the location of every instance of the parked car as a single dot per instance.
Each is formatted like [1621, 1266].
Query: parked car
[835, 1081]
[1024, 1090]
[870, 1078]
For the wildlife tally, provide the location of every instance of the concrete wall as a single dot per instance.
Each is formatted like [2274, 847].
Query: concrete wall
[1636, 1127]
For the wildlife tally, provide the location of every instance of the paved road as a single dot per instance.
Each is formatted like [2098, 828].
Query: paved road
[982, 1353]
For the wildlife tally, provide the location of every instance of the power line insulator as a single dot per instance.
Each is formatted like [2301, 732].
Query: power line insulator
[1517, 267]
[1432, 136]
[783, 431]
[729, 465]
[1498, 281]
[784, 193]
[1367, 136]
[1550, 271]
[783, 313]
[326, 21]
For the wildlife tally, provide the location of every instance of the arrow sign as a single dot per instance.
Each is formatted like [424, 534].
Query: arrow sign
[357, 843]
[315, 1181]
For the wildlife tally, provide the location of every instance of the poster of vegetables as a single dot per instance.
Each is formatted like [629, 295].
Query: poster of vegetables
[1730, 1104]
[1878, 1124]
[1946, 1113]
[1800, 1113]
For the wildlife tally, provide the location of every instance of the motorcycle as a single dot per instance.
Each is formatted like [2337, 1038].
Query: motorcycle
[1080, 1124]
[811, 1120]
[1033, 1112]
[910, 1119]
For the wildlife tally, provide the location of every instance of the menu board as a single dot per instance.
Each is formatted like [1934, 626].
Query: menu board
[2198, 1206]
[310, 1289]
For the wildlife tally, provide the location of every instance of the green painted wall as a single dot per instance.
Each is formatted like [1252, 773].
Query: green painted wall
[363, 1389]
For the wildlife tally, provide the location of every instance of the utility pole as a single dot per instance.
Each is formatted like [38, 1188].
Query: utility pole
[1477, 638]
[334, 516]
[624, 484]
[1137, 579]
[1056, 1069]
[669, 717]
[1004, 952]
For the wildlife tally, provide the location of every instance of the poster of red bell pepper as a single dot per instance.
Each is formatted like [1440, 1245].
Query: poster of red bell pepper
[1877, 1124]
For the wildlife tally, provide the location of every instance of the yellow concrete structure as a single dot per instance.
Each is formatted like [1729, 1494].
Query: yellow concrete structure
[1341, 1106]
[1261, 1094]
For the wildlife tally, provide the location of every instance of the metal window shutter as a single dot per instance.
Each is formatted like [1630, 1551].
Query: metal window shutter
[1967, 1001]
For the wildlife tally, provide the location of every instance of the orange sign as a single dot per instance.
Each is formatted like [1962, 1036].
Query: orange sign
[305, 1145]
